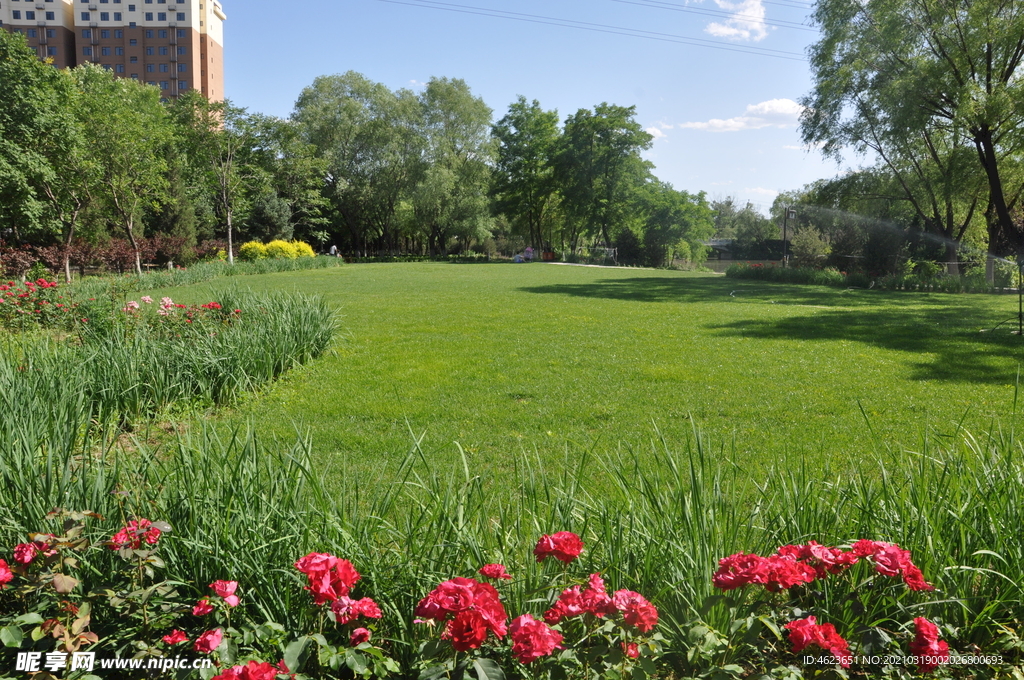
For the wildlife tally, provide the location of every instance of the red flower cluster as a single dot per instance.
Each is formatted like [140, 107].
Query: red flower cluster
[892, 560]
[475, 609]
[564, 545]
[806, 632]
[576, 602]
[25, 553]
[6, 575]
[345, 609]
[253, 670]
[795, 564]
[175, 637]
[329, 577]
[532, 639]
[495, 571]
[931, 652]
[202, 607]
[636, 610]
[132, 535]
[211, 305]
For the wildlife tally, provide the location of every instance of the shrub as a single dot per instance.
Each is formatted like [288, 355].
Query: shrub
[281, 249]
[252, 251]
[303, 249]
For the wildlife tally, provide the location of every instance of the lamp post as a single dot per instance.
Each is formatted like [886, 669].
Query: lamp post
[788, 215]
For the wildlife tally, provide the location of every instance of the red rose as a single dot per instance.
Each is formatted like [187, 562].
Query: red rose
[806, 632]
[134, 533]
[931, 652]
[476, 609]
[202, 607]
[636, 610]
[359, 636]
[176, 637]
[738, 570]
[564, 545]
[254, 670]
[495, 571]
[226, 591]
[24, 553]
[209, 641]
[532, 639]
[345, 609]
[329, 577]
[631, 650]
[6, 575]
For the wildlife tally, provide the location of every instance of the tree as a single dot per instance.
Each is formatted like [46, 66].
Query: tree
[599, 169]
[372, 142]
[892, 73]
[127, 131]
[676, 221]
[451, 200]
[523, 184]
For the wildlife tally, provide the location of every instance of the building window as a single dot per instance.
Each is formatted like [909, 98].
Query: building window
[133, 42]
[163, 51]
[161, 16]
[131, 8]
[182, 85]
[181, 16]
[149, 16]
[108, 67]
[117, 16]
[135, 76]
[87, 51]
[149, 68]
[164, 85]
[31, 32]
[86, 33]
[105, 33]
[149, 34]
[150, 51]
[182, 50]
[163, 68]
[133, 60]
[118, 33]
[131, 24]
[85, 16]
[51, 33]
[162, 34]
[119, 51]
[30, 15]
[50, 16]
[181, 33]
[105, 51]
[16, 14]
[120, 68]
[182, 68]
[52, 51]
[103, 2]
[104, 16]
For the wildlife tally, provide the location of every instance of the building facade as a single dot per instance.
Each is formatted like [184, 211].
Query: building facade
[49, 26]
[175, 45]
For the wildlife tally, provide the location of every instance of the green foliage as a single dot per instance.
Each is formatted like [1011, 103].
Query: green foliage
[809, 248]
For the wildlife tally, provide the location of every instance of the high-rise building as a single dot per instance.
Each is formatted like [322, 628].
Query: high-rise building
[176, 45]
[48, 25]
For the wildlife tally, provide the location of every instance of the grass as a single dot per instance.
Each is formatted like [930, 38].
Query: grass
[557, 360]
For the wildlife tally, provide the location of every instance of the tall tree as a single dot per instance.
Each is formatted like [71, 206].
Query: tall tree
[675, 221]
[523, 184]
[895, 70]
[127, 130]
[599, 169]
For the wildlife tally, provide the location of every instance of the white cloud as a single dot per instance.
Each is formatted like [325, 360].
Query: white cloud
[656, 133]
[746, 22]
[761, 191]
[779, 113]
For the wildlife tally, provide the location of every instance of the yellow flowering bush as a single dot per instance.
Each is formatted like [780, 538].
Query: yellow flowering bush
[281, 249]
[252, 251]
[303, 249]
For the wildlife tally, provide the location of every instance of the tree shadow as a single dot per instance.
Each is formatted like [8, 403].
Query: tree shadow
[951, 335]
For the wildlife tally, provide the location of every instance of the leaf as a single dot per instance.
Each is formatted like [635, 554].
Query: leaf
[11, 636]
[488, 669]
[63, 583]
[295, 654]
[80, 624]
[228, 650]
[434, 672]
[27, 619]
[355, 661]
[165, 528]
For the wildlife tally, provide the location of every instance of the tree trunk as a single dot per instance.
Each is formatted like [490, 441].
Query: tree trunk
[129, 227]
[231, 251]
[67, 254]
[952, 260]
[1007, 239]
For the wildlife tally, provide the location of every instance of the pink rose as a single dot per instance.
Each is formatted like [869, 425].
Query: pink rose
[209, 641]
[359, 636]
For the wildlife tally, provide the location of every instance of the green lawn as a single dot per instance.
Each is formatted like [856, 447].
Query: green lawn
[556, 360]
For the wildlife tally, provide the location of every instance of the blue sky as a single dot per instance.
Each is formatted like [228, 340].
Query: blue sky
[724, 119]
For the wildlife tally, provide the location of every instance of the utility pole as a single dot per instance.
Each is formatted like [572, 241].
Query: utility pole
[786, 217]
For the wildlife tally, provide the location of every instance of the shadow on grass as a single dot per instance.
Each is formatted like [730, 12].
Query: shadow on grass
[944, 331]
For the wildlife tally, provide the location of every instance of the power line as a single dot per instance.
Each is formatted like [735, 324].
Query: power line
[778, 23]
[597, 28]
